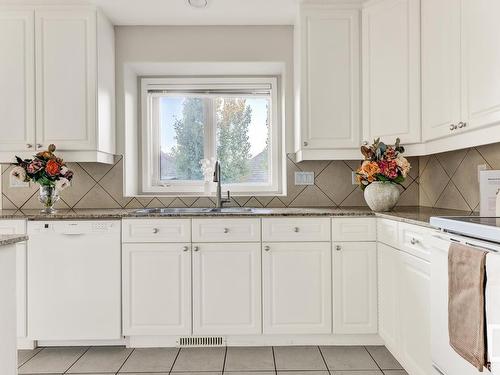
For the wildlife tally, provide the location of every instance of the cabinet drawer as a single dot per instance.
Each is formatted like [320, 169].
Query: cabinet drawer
[354, 229]
[387, 232]
[412, 239]
[296, 229]
[156, 230]
[226, 230]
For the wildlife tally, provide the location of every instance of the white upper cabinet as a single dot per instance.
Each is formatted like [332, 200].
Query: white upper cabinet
[17, 77]
[460, 70]
[68, 55]
[66, 79]
[391, 71]
[327, 82]
[441, 79]
[481, 63]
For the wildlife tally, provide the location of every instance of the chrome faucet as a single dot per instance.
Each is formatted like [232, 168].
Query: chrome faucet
[217, 177]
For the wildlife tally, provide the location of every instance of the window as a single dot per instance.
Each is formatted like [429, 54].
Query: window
[189, 123]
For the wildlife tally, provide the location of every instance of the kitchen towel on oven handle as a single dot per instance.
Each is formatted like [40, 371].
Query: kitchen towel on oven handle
[466, 306]
[492, 301]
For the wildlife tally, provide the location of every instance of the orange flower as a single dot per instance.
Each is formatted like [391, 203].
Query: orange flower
[52, 168]
[369, 169]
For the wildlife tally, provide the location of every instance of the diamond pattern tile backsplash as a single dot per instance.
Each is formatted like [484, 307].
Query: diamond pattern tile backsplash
[101, 186]
[450, 179]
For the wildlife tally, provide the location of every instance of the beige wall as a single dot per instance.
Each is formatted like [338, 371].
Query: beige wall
[206, 44]
[100, 186]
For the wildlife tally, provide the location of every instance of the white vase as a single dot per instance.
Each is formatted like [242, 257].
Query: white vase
[381, 196]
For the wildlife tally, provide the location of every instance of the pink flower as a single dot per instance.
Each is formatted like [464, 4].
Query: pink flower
[388, 168]
[34, 166]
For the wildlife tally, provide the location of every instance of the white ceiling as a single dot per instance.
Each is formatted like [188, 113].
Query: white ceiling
[178, 12]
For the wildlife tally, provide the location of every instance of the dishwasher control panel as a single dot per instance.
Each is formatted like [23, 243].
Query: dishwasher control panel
[75, 227]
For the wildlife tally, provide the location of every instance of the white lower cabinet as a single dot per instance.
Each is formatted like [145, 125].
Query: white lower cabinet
[297, 294]
[226, 288]
[414, 297]
[354, 287]
[156, 288]
[404, 307]
[388, 315]
[19, 227]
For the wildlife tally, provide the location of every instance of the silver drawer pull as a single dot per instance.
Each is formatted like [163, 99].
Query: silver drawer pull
[226, 230]
[267, 248]
[155, 230]
[196, 248]
[338, 247]
[185, 248]
[296, 229]
[414, 241]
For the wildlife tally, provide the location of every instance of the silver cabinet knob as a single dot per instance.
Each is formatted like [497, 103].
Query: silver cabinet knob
[453, 126]
[39, 145]
[155, 230]
[196, 248]
[185, 248]
[462, 125]
[296, 229]
[226, 230]
[267, 248]
[365, 143]
[414, 241]
[29, 145]
[306, 143]
[338, 247]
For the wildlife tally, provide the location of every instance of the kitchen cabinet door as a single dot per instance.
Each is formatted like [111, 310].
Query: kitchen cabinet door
[414, 297]
[156, 289]
[226, 288]
[441, 72]
[354, 287]
[19, 227]
[17, 77]
[327, 66]
[388, 297]
[480, 63]
[66, 76]
[296, 288]
[391, 71]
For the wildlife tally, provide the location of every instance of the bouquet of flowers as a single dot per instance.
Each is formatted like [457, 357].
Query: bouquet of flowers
[382, 163]
[45, 169]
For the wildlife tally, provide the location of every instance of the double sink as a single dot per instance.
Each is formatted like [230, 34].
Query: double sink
[200, 210]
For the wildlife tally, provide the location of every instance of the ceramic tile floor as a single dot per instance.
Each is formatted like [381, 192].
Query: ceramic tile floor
[290, 360]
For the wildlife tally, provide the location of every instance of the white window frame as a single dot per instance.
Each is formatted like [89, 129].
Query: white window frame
[150, 152]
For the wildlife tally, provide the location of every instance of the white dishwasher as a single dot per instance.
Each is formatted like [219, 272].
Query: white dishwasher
[74, 280]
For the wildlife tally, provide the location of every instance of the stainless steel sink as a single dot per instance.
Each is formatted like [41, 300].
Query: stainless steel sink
[199, 210]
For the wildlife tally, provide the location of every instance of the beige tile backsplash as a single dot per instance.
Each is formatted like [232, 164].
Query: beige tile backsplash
[101, 186]
[450, 179]
[445, 180]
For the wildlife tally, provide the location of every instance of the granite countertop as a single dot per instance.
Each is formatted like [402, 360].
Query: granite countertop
[8, 239]
[420, 215]
[412, 214]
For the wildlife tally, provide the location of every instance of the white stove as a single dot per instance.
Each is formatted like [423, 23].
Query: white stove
[481, 232]
[484, 228]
